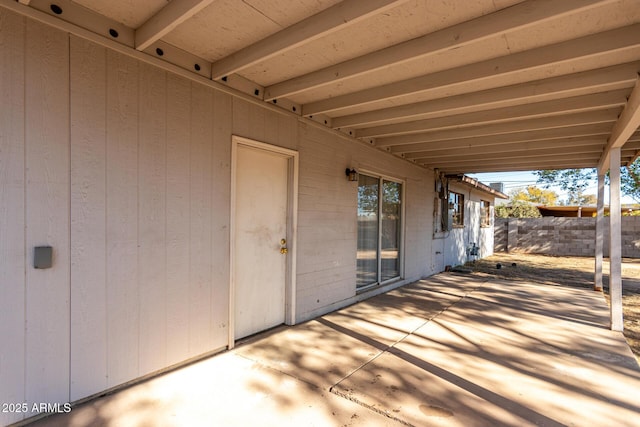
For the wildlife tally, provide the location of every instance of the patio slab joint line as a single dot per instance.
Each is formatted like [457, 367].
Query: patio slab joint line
[333, 389]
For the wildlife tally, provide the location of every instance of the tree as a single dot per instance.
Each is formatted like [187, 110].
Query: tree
[533, 194]
[523, 201]
[630, 180]
[576, 181]
[517, 210]
[573, 181]
[584, 199]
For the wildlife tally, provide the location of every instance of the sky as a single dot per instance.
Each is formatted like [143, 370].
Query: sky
[515, 180]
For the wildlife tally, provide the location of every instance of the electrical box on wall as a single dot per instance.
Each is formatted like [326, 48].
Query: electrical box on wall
[42, 257]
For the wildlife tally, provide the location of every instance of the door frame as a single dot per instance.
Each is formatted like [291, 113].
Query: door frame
[292, 225]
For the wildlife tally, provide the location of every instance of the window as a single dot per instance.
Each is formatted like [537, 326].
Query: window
[379, 230]
[456, 209]
[485, 213]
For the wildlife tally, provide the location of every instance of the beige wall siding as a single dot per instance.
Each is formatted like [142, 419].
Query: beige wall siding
[255, 122]
[125, 169]
[120, 166]
[13, 257]
[122, 219]
[327, 221]
[88, 213]
[419, 242]
[220, 217]
[47, 212]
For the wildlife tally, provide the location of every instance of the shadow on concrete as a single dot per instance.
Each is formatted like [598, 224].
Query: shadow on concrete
[450, 350]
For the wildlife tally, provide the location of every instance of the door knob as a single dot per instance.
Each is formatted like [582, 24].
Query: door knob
[284, 250]
[283, 242]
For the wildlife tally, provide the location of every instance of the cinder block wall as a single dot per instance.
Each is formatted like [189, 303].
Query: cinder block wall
[562, 236]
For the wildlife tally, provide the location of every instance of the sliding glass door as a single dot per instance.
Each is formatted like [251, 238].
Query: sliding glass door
[368, 210]
[379, 230]
[390, 227]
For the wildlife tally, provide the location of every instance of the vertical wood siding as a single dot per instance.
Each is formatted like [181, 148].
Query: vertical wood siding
[201, 206]
[12, 213]
[327, 218]
[179, 152]
[47, 213]
[88, 219]
[221, 196]
[123, 319]
[152, 258]
[124, 169]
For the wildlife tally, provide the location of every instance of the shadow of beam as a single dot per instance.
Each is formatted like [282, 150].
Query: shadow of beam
[513, 407]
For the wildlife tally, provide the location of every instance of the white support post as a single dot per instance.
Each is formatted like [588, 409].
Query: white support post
[615, 237]
[597, 279]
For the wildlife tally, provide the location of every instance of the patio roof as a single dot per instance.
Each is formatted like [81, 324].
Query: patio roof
[462, 86]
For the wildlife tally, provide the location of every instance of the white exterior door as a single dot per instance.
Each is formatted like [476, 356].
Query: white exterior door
[260, 253]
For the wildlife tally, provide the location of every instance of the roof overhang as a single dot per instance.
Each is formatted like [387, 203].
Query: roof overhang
[477, 185]
[463, 86]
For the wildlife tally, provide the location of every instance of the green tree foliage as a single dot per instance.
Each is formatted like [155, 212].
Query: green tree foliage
[533, 194]
[573, 181]
[517, 210]
[584, 200]
[523, 201]
[576, 181]
[630, 180]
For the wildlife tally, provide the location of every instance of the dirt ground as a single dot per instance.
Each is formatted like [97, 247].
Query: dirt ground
[570, 271]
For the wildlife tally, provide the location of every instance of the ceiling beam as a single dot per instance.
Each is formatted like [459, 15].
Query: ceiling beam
[523, 167]
[625, 127]
[547, 157]
[168, 18]
[319, 25]
[576, 104]
[592, 144]
[492, 70]
[556, 153]
[599, 80]
[522, 15]
[565, 161]
[538, 124]
[631, 145]
[600, 131]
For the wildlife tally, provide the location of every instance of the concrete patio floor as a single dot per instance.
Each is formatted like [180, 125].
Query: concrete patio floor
[450, 350]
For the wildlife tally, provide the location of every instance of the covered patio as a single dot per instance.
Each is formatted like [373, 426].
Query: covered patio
[178, 175]
[457, 87]
[450, 350]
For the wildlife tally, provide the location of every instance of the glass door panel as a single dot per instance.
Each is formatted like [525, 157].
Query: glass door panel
[391, 230]
[368, 208]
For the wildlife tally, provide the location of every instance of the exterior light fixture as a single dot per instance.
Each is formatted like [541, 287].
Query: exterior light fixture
[352, 174]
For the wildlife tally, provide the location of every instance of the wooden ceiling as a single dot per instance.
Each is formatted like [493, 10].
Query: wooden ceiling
[459, 85]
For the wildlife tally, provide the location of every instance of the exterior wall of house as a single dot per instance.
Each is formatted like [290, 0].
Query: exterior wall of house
[327, 218]
[457, 241]
[124, 168]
